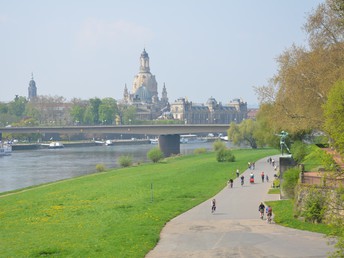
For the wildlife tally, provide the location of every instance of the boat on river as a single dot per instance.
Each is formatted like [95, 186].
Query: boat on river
[191, 138]
[56, 145]
[5, 149]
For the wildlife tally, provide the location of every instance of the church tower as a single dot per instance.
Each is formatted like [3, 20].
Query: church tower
[145, 86]
[32, 89]
[126, 94]
[164, 98]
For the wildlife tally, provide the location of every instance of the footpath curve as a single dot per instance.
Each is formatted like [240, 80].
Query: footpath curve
[235, 229]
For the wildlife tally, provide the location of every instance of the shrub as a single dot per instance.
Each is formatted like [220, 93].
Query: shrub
[290, 179]
[225, 155]
[200, 150]
[125, 161]
[100, 168]
[155, 155]
[219, 145]
[314, 206]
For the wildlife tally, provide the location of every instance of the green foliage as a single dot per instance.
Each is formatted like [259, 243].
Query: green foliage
[318, 158]
[299, 151]
[100, 168]
[219, 145]
[243, 133]
[225, 155]
[314, 206]
[200, 150]
[334, 115]
[155, 155]
[276, 183]
[290, 180]
[125, 161]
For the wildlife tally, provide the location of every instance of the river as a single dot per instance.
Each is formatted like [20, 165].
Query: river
[34, 167]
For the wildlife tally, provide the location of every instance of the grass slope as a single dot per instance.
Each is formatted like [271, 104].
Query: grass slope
[119, 213]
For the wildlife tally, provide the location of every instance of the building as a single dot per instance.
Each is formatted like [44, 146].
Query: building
[144, 94]
[211, 112]
[32, 90]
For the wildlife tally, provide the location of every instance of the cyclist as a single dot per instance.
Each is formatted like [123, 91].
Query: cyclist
[261, 210]
[269, 213]
[213, 205]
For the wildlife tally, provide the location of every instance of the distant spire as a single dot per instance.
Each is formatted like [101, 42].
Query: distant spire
[31, 75]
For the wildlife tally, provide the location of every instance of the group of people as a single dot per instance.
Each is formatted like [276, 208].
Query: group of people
[268, 211]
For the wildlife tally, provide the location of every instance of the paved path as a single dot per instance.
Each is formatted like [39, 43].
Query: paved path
[235, 229]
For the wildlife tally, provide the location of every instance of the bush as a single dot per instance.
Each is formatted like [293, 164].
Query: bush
[200, 150]
[155, 155]
[290, 180]
[100, 168]
[225, 155]
[125, 161]
[314, 206]
[219, 145]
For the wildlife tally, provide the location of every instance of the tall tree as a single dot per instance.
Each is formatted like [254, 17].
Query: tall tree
[108, 110]
[334, 115]
[243, 133]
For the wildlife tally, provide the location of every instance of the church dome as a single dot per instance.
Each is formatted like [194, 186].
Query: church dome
[143, 93]
[211, 101]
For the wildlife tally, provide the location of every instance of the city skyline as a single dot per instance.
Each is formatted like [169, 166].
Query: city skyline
[199, 50]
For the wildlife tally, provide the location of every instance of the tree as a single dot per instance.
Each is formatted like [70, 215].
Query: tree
[108, 110]
[305, 76]
[334, 115]
[243, 133]
[325, 26]
[77, 111]
[17, 107]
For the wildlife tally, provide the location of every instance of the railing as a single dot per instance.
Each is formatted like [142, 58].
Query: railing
[320, 179]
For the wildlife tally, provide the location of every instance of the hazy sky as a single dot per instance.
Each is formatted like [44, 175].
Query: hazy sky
[198, 48]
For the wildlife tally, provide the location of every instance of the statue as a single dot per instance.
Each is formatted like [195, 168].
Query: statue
[283, 145]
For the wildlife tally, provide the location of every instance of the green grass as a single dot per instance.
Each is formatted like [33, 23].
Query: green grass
[118, 213]
[274, 191]
[283, 215]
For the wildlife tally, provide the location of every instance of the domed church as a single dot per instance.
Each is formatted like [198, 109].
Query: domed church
[144, 93]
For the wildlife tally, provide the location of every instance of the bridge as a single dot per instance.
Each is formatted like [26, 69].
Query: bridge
[169, 135]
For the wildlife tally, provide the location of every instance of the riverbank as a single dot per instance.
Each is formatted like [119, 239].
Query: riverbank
[117, 213]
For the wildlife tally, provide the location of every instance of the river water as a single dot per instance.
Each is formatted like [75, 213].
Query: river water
[33, 167]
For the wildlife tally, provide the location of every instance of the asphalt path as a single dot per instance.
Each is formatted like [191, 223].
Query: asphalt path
[235, 229]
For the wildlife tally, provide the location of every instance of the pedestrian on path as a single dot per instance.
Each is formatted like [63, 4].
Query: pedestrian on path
[213, 205]
[262, 174]
[237, 172]
[230, 183]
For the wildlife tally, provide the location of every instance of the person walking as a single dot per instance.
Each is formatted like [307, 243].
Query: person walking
[262, 174]
[237, 172]
[230, 182]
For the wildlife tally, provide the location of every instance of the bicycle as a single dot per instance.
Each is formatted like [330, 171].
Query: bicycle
[269, 216]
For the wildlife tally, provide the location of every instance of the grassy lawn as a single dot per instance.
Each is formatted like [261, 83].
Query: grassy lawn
[118, 213]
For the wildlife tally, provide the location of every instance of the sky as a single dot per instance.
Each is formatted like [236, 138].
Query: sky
[198, 48]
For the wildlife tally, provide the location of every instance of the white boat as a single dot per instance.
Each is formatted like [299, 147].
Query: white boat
[191, 138]
[154, 141]
[5, 150]
[108, 143]
[56, 145]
